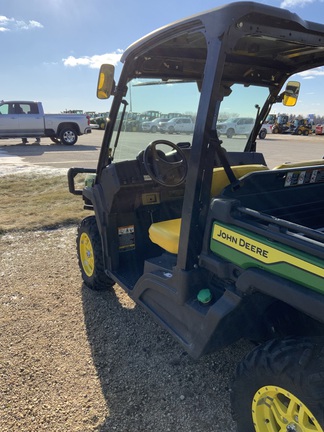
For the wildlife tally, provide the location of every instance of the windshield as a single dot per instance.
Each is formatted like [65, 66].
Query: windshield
[159, 111]
[155, 110]
[237, 115]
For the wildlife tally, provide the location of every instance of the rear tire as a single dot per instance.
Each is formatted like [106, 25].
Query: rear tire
[90, 257]
[68, 136]
[279, 387]
[262, 133]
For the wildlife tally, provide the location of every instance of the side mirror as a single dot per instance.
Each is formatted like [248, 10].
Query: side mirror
[290, 95]
[106, 81]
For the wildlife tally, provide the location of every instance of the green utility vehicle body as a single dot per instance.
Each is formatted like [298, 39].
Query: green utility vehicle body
[214, 244]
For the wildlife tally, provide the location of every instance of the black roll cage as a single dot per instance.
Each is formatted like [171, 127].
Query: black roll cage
[241, 42]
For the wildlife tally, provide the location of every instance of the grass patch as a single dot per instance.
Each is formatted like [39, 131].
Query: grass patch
[30, 202]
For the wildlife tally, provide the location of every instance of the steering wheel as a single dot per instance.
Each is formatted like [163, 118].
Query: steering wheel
[168, 170]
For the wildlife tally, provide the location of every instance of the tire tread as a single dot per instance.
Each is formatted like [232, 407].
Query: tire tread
[100, 281]
[294, 364]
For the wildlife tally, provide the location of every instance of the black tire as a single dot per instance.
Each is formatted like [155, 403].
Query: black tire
[171, 130]
[306, 132]
[299, 132]
[68, 136]
[275, 130]
[90, 256]
[102, 125]
[230, 133]
[275, 375]
[153, 129]
[262, 133]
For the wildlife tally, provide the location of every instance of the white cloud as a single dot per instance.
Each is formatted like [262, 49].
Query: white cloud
[35, 24]
[10, 24]
[95, 61]
[3, 19]
[286, 4]
[4, 23]
[312, 73]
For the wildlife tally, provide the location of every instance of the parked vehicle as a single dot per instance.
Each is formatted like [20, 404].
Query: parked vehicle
[319, 129]
[201, 233]
[301, 127]
[281, 125]
[153, 125]
[93, 125]
[24, 119]
[271, 119]
[146, 116]
[266, 129]
[236, 126]
[98, 122]
[177, 125]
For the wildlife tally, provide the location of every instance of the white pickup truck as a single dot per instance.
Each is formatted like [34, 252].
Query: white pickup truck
[24, 119]
[177, 125]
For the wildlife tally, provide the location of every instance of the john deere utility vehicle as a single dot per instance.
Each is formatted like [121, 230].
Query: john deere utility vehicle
[215, 244]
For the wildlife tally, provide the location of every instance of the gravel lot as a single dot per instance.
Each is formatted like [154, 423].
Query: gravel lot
[76, 360]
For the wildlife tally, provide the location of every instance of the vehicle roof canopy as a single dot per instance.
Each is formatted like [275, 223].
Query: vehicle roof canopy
[263, 45]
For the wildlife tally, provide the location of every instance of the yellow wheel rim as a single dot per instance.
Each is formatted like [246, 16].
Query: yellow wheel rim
[274, 409]
[86, 254]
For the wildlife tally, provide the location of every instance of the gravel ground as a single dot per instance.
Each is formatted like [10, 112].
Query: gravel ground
[76, 360]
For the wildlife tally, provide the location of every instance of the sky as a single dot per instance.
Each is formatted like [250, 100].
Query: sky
[51, 50]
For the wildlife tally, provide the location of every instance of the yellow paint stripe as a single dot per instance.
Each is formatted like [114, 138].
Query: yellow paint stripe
[261, 251]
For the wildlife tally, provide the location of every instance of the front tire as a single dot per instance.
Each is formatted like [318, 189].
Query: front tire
[68, 136]
[279, 387]
[230, 133]
[90, 257]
